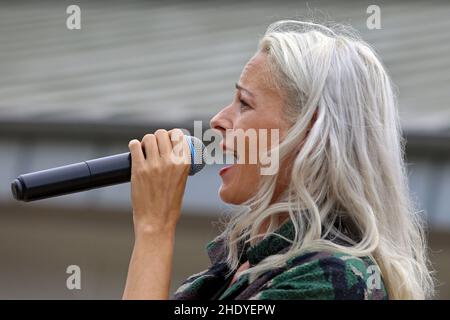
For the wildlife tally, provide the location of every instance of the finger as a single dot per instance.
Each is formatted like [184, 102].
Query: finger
[164, 143]
[150, 146]
[180, 146]
[137, 156]
[187, 151]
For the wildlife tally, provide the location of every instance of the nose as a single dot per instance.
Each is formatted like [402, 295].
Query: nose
[223, 120]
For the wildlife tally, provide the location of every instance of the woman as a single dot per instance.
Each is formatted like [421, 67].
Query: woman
[334, 222]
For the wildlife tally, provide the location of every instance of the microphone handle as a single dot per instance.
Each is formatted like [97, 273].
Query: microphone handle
[72, 178]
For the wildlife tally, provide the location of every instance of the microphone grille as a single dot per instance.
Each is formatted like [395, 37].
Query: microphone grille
[197, 159]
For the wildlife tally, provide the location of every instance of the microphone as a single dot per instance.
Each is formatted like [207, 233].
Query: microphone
[88, 175]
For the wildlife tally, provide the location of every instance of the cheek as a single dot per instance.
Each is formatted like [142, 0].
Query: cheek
[263, 119]
[241, 182]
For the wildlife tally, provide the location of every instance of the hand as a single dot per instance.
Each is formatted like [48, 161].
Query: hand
[158, 180]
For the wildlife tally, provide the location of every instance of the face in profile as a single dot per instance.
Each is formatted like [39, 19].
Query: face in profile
[256, 105]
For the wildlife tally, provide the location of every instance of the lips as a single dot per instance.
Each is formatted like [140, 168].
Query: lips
[235, 159]
[225, 169]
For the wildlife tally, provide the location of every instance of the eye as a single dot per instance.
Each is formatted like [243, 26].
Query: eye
[244, 105]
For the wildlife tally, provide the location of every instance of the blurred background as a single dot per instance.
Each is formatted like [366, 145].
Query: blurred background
[72, 95]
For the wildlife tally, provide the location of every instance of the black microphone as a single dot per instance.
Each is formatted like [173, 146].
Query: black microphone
[89, 174]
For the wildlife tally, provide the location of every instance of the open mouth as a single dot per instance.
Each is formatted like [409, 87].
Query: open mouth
[230, 158]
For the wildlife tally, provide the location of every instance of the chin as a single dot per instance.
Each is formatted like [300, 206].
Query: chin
[231, 195]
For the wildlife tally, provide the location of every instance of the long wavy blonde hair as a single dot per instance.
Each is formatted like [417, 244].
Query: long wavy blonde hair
[351, 164]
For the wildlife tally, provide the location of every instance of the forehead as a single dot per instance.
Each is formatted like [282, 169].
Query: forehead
[256, 77]
[254, 74]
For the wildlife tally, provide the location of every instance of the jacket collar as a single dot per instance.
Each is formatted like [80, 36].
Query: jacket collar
[270, 245]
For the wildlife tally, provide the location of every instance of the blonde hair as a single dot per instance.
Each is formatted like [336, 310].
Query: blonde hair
[351, 164]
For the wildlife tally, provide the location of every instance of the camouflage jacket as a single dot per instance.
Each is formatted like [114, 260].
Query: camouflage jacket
[310, 275]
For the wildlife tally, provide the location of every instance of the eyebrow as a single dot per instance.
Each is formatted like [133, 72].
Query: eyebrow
[238, 86]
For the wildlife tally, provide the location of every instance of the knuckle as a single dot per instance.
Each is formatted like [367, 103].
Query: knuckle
[141, 171]
[178, 131]
[165, 161]
[148, 136]
[160, 132]
[158, 169]
[176, 134]
[132, 142]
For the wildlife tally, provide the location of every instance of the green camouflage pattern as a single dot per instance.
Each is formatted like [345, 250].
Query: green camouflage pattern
[310, 275]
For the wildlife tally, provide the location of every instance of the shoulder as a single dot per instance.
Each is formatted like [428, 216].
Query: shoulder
[325, 275]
